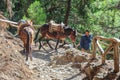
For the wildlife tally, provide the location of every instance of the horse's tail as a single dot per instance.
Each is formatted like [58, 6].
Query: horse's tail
[28, 42]
[36, 36]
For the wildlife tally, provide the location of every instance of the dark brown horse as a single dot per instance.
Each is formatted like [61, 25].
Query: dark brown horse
[26, 35]
[44, 30]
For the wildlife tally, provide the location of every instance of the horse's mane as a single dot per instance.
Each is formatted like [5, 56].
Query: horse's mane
[47, 25]
[69, 29]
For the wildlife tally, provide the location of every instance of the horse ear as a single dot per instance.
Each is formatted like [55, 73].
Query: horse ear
[75, 32]
[30, 21]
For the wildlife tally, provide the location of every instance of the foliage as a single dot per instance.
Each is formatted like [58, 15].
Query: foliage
[101, 17]
[36, 13]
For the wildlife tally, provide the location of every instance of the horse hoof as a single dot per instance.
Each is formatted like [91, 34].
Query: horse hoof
[56, 51]
[23, 52]
[52, 48]
[39, 48]
[60, 46]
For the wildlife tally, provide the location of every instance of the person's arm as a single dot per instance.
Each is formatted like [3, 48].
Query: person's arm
[90, 38]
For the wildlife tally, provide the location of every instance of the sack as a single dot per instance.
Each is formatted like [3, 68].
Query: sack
[53, 27]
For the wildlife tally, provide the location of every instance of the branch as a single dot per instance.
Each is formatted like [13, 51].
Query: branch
[7, 21]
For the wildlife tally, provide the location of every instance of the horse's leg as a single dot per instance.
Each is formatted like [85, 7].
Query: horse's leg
[40, 42]
[57, 44]
[74, 45]
[26, 56]
[40, 46]
[49, 44]
[44, 49]
[26, 62]
[30, 53]
[36, 42]
[36, 36]
[26, 51]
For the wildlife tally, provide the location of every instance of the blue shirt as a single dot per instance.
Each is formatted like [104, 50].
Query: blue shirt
[85, 42]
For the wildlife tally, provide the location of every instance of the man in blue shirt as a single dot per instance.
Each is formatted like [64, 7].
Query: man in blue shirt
[85, 41]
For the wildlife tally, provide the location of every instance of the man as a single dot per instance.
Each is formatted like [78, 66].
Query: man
[85, 41]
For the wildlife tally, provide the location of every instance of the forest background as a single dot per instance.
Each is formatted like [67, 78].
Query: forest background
[101, 17]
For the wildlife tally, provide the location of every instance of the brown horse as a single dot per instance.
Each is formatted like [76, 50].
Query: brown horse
[26, 35]
[44, 30]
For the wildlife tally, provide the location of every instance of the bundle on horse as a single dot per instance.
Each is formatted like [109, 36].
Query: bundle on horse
[58, 34]
[25, 33]
[53, 27]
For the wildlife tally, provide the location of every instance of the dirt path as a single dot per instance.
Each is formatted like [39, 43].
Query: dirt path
[44, 71]
[50, 66]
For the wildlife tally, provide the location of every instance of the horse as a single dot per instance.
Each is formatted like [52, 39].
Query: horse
[46, 34]
[25, 33]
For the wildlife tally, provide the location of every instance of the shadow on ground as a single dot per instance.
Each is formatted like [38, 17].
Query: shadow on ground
[41, 55]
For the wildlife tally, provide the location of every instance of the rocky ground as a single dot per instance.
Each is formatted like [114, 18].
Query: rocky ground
[67, 64]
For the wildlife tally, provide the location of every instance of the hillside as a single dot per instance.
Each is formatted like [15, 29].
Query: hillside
[12, 65]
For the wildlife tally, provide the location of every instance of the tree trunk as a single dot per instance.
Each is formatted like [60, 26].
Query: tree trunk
[9, 8]
[67, 11]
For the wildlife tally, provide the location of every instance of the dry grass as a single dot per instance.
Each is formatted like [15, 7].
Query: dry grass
[12, 65]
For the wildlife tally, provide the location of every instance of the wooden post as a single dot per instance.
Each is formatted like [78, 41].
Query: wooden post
[115, 43]
[119, 55]
[106, 51]
[116, 57]
[100, 48]
[94, 48]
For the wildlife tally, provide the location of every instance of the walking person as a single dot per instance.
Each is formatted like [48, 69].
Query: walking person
[85, 41]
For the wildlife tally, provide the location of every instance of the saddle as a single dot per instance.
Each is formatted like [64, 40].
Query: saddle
[21, 27]
[53, 27]
[23, 23]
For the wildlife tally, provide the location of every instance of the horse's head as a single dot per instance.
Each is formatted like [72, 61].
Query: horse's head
[73, 35]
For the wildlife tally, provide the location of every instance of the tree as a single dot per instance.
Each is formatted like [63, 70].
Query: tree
[67, 12]
[36, 13]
